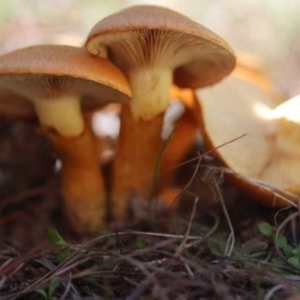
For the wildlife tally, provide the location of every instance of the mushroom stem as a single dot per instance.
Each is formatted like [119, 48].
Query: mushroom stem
[83, 187]
[140, 138]
[134, 165]
[82, 183]
[63, 114]
[183, 138]
[150, 92]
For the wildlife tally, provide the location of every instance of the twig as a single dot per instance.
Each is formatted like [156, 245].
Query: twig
[67, 289]
[273, 290]
[277, 214]
[181, 247]
[11, 217]
[30, 193]
[278, 231]
[231, 238]
[69, 262]
[184, 190]
[156, 177]
[141, 288]
[208, 234]
[209, 151]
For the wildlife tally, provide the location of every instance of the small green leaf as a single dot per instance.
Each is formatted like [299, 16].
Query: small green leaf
[278, 261]
[54, 284]
[63, 255]
[288, 250]
[42, 292]
[282, 242]
[265, 229]
[55, 238]
[294, 261]
[140, 243]
[296, 251]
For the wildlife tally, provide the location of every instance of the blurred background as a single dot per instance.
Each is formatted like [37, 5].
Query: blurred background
[270, 29]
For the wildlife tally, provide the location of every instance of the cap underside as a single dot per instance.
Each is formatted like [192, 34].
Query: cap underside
[231, 110]
[22, 89]
[48, 71]
[196, 62]
[148, 35]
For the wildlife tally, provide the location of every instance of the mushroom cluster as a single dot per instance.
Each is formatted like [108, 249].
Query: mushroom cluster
[140, 58]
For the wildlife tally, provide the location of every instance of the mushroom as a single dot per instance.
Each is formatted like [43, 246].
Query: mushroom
[55, 83]
[266, 161]
[154, 46]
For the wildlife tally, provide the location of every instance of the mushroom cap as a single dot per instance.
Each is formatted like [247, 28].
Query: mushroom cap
[14, 105]
[153, 35]
[258, 163]
[46, 71]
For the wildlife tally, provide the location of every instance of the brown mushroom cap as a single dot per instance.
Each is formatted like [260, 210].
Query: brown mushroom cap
[152, 35]
[41, 72]
[15, 105]
[260, 155]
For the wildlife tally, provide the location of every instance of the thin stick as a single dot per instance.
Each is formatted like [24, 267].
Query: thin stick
[21, 196]
[210, 151]
[156, 177]
[181, 247]
[208, 234]
[278, 231]
[184, 190]
[274, 290]
[231, 238]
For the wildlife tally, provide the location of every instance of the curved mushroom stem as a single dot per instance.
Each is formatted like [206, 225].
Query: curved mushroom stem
[83, 187]
[82, 183]
[183, 138]
[134, 164]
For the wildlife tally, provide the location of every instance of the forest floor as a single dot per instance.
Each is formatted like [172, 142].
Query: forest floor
[216, 244]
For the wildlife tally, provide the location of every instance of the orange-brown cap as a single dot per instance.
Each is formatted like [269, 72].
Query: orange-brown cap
[41, 72]
[152, 35]
[14, 105]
